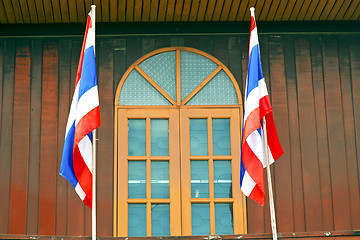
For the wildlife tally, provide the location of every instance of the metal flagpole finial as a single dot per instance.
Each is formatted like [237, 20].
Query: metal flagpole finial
[252, 11]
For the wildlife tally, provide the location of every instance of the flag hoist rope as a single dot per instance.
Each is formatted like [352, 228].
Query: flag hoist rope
[93, 207]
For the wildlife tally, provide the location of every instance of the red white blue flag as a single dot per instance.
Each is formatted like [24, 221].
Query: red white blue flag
[257, 106]
[84, 117]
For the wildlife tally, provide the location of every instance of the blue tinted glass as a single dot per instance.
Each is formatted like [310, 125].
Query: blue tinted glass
[162, 69]
[160, 219]
[222, 179]
[198, 137]
[137, 220]
[221, 136]
[199, 179]
[136, 137]
[200, 218]
[159, 179]
[159, 137]
[224, 218]
[194, 69]
[137, 179]
[219, 91]
[138, 91]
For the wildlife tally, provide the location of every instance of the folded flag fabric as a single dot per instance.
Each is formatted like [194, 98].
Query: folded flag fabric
[257, 106]
[84, 117]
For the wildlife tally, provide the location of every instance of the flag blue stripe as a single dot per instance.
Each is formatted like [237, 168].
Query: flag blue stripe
[67, 167]
[254, 70]
[88, 78]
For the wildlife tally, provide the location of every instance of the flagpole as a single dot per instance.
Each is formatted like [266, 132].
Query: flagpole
[93, 207]
[271, 196]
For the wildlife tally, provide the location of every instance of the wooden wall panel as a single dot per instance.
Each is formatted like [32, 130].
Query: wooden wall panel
[32, 218]
[313, 82]
[349, 129]
[105, 156]
[355, 86]
[282, 168]
[294, 135]
[321, 132]
[48, 146]
[20, 140]
[6, 132]
[64, 106]
[337, 154]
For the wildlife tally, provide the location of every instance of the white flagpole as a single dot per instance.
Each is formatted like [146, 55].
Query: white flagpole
[271, 196]
[93, 208]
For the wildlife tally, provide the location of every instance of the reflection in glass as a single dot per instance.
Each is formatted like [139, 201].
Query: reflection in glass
[137, 179]
[160, 219]
[159, 137]
[199, 179]
[160, 179]
[222, 179]
[200, 218]
[136, 137]
[224, 218]
[137, 220]
[198, 137]
[221, 136]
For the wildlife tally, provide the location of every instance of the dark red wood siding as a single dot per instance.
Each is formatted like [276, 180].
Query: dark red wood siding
[314, 82]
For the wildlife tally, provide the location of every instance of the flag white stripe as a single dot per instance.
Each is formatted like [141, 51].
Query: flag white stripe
[88, 101]
[80, 192]
[85, 148]
[248, 184]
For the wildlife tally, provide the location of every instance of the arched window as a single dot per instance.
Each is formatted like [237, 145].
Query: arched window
[177, 147]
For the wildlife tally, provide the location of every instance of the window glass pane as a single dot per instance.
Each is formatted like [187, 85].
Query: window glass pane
[222, 179]
[138, 91]
[224, 218]
[137, 220]
[162, 69]
[200, 218]
[199, 179]
[221, 136]
[159, 179]
[160, 219]
[219, 91]
[194, 69]
[136, 137]
[159, 137]
[137, 179]
[198, 137]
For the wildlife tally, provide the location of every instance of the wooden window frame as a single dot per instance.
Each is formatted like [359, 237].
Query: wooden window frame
[178, 107]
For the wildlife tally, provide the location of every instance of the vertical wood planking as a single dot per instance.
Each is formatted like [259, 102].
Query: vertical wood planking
[335, 121]
[75, 207]
[221, 50]
[64, 108]
[235, 57]
[133, 50]
[282, 167]
[1, 76]
[6, 132]
[309, 153]
[349, 127]
[321, 131]
[48, 146]
[355, 81]
[34, 148]
[20, 140]
[119, 61]
[294, 135]
[105, 156]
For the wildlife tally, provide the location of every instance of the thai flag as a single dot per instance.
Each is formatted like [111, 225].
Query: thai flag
[84, 117]
[257, 106]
